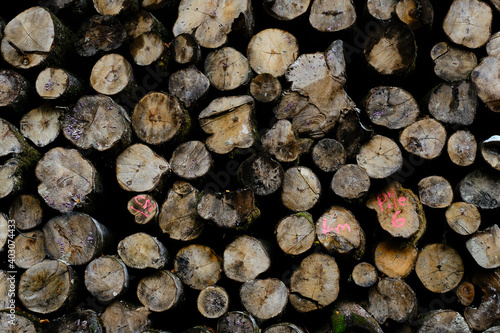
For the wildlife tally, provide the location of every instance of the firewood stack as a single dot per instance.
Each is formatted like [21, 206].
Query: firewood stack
[250, 165]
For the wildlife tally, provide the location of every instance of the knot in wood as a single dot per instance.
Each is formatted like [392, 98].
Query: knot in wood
[112, 76]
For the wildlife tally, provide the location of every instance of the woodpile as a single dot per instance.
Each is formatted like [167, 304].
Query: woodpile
[250, 166]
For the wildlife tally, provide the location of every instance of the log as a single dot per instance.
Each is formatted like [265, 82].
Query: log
[79, 321]
[464, 218]
[351, 132]
[16, 323]
[290, 104]
[141, 251]
[364, 275]
[380, 157]
[301, 189]
[286, 10]
[331, 15]
[392, 107]
[492, 47]
[392, 49]
[347, 316]
[26, 210]
[122, 316]
[12, 176]
[484, 247]
[178, 217]
[424, 138]
[435, 192]
[261, 173]
[339, 231]
[282, 142]
[399, 212]
[415, 13]
[237, 321]
[189, 85]
[142, 21]
[213, 302]
[454, 103]
[272, 51]
[465, 293]
[4, 230]
[381, 9]
[328, 155]
[480, 188]
[75, 238]
[462, 148]
[227, 69]
[452, 63]
[30, 249]
[483, 78]
[149, 48]
[439, 267]
[490, 150]
[159, 117]
[98, 34]
[144, 208]
[67, 180]
[211, 22]
[315, 284]
[106, 278]
[97, 122]
[229, 122]
[198, 266]
[48, 286]
[283, 328]
[394, 260]
[154, 4]
[443, 321]
[14, 143]
[140, 169]
[468, 23]
[16, 91]
[487, 313]
[392, 299]
[295, 233]
[111, 7]
[350, 182]
[41, 125]
[245, 259]
[26, 44]
[236, 209]
[264, 299]
[265, 88]
[56, 83]
[185, 49]
[160, 291]
[112, 74]
[4, 290]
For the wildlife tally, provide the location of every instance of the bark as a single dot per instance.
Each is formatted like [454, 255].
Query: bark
[488, 312]
[99, 34]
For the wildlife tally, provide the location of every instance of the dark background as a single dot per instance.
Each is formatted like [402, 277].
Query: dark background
[110, 209]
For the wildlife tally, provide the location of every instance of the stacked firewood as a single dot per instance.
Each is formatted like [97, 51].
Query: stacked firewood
[237, 166]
